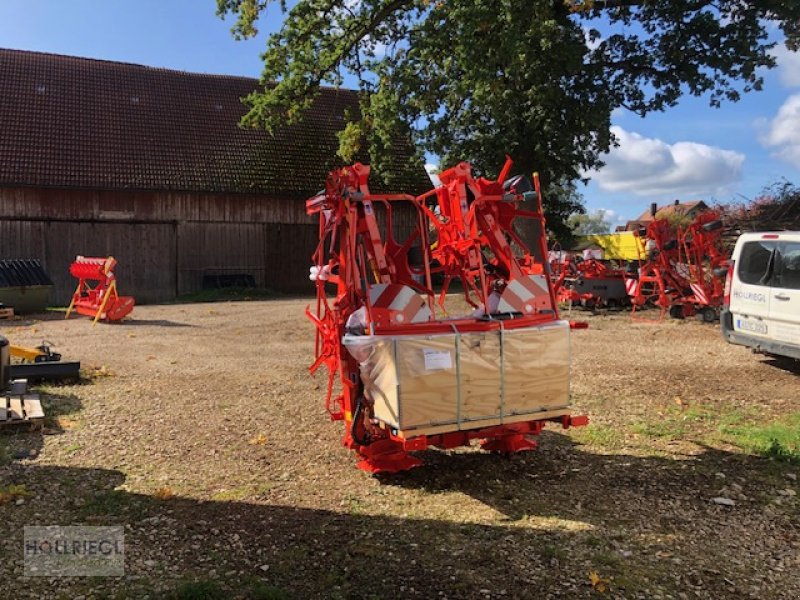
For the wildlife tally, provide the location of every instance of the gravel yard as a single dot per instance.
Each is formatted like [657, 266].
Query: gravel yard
[198, 428]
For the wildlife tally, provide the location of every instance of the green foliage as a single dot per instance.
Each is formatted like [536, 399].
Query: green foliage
[199, 590]
[779, 440]
[588, 224]
[476, 79]
[602, 436]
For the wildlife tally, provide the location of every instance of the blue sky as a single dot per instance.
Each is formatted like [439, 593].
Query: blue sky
[691, 151]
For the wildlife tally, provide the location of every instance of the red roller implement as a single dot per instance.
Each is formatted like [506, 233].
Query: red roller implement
[96, 294]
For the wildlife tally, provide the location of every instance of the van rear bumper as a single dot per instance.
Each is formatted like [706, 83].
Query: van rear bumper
[758, 344]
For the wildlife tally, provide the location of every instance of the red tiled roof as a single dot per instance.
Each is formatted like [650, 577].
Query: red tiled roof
[85, 123]
[682, 208]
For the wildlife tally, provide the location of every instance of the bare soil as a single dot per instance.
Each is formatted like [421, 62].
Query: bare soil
[199, 429]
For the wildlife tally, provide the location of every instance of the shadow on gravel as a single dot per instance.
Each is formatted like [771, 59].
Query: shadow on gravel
[784, 364]
[560, 480]
[589, 510]
[153, 322]
[25, 441]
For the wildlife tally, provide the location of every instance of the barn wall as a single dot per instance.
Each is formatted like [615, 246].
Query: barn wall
[175, 239]
[114, 205]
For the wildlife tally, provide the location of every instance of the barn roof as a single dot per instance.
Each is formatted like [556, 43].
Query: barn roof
[676, 208]
[86, 123]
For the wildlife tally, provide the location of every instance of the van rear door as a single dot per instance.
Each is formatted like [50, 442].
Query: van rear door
[784, 301]
[750, 293]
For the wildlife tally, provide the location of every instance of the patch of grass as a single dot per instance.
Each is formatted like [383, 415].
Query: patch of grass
[604, 436]
[779, 440]
[550, 551]
[231, 495]
[263, 591]
[606, 558]
[677, 422]
[5, 456]
[231, 293]
[204, 589]
[114, 503]
[11, 493]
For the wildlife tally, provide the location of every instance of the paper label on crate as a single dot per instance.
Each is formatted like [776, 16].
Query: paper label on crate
[437, 360]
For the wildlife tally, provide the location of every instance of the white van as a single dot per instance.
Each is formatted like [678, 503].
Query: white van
[762, 293]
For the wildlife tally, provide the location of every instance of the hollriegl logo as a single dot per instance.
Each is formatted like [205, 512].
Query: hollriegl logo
[75, 551]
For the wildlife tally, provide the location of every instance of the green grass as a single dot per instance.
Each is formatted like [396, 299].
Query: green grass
[207, 589]
[204, 589]
[5, 456]
[603, 436]
[232, 293]
[677, 423]
[779, 440]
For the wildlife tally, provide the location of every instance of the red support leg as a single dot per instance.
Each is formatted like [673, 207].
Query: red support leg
[509, 444]
[386, 456]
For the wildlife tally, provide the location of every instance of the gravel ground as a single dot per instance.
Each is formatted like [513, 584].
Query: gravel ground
[199, 429]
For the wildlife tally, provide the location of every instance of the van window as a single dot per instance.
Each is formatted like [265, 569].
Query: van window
[754, 262]
[787, 266]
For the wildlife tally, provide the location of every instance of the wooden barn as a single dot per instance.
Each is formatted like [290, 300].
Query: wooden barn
[150, 166]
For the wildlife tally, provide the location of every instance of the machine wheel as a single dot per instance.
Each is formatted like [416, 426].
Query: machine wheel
[676, 311]
[589, 304]
[708, 314]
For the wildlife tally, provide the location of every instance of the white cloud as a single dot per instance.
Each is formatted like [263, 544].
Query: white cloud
[788, 66]
[783, 133]
[651, 167]
[432, 170]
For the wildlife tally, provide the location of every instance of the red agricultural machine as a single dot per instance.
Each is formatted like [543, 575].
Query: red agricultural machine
[684, 270]
[96, 294]
[589, 283]
[402, 374]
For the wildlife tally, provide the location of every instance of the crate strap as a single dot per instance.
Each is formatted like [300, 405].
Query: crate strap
[502, 372]
[458, 375]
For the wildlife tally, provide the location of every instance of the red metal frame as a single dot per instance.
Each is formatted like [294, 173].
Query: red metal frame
[685, 272]
[96, 294]
[472, 220]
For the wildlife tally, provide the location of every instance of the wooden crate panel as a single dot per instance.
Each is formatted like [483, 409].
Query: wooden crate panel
[536, 369]
[451, 382]
[428, 380]
[480, 364]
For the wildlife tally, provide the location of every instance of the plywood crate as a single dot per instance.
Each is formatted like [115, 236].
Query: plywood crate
[457, 381]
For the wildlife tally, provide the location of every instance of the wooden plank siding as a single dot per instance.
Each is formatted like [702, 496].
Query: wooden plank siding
[174, 239]
[89, 205]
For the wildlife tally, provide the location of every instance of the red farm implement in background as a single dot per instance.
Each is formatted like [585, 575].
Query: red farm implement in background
[702, 251]
[402, 375]
[96, 295]
[589, 283]
[684, 269]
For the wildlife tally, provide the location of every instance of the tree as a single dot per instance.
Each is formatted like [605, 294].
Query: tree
[777, 207]
[589, 224]
[475, 79]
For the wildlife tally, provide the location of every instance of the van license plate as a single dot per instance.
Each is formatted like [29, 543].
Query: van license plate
[753, 326]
